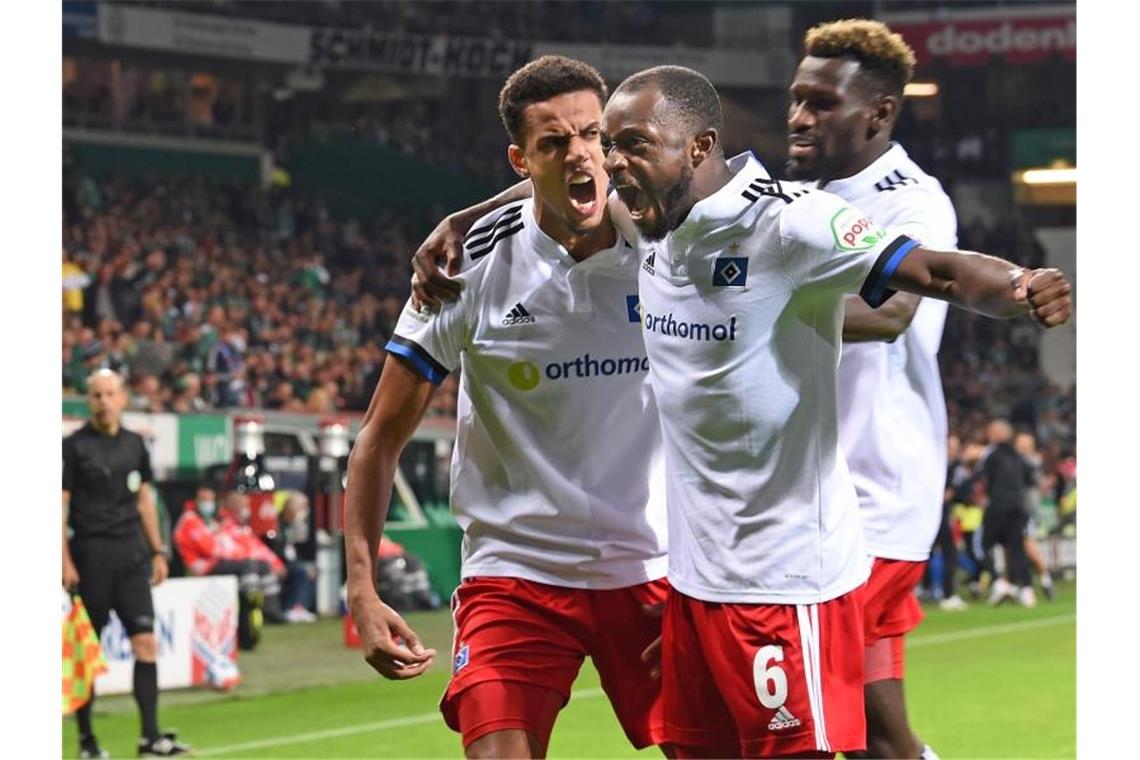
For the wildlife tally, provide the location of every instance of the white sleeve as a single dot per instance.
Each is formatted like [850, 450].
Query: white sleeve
[828, 243]
[928, 217]
[431, 343]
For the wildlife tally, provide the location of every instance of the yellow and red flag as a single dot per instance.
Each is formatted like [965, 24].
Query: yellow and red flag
[82, 656]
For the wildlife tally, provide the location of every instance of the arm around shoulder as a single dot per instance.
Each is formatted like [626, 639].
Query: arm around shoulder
[430, 286]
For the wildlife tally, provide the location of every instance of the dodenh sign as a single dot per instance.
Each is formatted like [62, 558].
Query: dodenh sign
[966, 39]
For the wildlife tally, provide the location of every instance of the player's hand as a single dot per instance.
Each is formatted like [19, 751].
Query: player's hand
[70, 575]
[159, 570]
[430, 287]
[1049, 297]
[651, 655]
[390, 646]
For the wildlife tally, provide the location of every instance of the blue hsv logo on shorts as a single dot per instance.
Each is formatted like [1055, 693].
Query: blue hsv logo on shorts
[730, 271]
[633, 307]
[462, 657]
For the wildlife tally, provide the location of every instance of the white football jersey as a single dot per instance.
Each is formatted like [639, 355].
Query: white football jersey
[558, 433]
[742, 309]
[892, 414]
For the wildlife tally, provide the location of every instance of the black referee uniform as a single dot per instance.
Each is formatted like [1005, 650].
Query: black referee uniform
[103, 475]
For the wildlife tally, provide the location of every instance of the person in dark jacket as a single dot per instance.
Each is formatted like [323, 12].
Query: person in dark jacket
[1007, 478]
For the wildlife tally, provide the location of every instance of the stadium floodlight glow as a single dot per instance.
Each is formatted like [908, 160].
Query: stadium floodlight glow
[920, 90]
[1061, 176]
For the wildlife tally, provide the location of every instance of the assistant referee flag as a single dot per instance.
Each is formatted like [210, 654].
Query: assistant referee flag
[82, 656]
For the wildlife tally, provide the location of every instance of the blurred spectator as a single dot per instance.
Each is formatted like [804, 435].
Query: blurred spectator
[75, 279]
[945, 543]
[299, 594]
[1007, 478]
[147, 394]
[1027, 447]
[225, 368]
[1066, 489]
[968, 513]
[187, 396]
[211, 541]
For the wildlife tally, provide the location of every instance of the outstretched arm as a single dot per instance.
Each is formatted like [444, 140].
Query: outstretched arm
[398, 405]
[445, 243]
[985, 284]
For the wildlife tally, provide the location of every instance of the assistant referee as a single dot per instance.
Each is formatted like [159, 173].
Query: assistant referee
[108, 504]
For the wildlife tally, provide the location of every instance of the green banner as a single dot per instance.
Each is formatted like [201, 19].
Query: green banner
[203, 440]
[1041, 147]
[441, 550]
[133, 162]
[75, 407]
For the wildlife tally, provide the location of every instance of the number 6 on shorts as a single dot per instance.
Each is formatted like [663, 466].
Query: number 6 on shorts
[773, 698]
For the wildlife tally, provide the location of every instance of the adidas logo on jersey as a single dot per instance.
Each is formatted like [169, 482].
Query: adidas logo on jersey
[894, 181]
[783, 719]
[649, 263]
[772, 188]
[518, 316]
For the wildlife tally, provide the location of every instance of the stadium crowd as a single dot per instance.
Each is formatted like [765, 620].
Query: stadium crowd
[216, 295]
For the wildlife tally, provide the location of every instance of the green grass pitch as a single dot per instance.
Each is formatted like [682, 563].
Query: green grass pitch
[983, 683]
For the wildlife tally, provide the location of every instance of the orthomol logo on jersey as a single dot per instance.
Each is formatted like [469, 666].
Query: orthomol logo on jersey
[703, 331]
[526, 376]
[853, 231]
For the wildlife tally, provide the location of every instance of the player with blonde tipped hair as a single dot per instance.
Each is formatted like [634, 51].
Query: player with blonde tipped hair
[844, 103]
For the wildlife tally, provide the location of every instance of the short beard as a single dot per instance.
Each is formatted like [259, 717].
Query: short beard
[797, 172]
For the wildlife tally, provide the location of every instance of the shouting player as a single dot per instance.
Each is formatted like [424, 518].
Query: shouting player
[564, 544]
[844, 103]
[741, 292]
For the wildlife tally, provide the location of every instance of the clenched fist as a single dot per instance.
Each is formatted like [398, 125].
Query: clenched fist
[1048, 296]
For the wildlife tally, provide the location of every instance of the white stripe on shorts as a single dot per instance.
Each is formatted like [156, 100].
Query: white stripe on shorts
[808, 619]
[819, 674]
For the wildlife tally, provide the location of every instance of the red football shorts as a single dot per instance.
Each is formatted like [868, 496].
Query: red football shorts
[514, 636]
[891, 610]
[763, 680]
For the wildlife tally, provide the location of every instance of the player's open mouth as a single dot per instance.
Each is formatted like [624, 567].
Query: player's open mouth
[583, 194]
[634, 199]
[799, 147]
